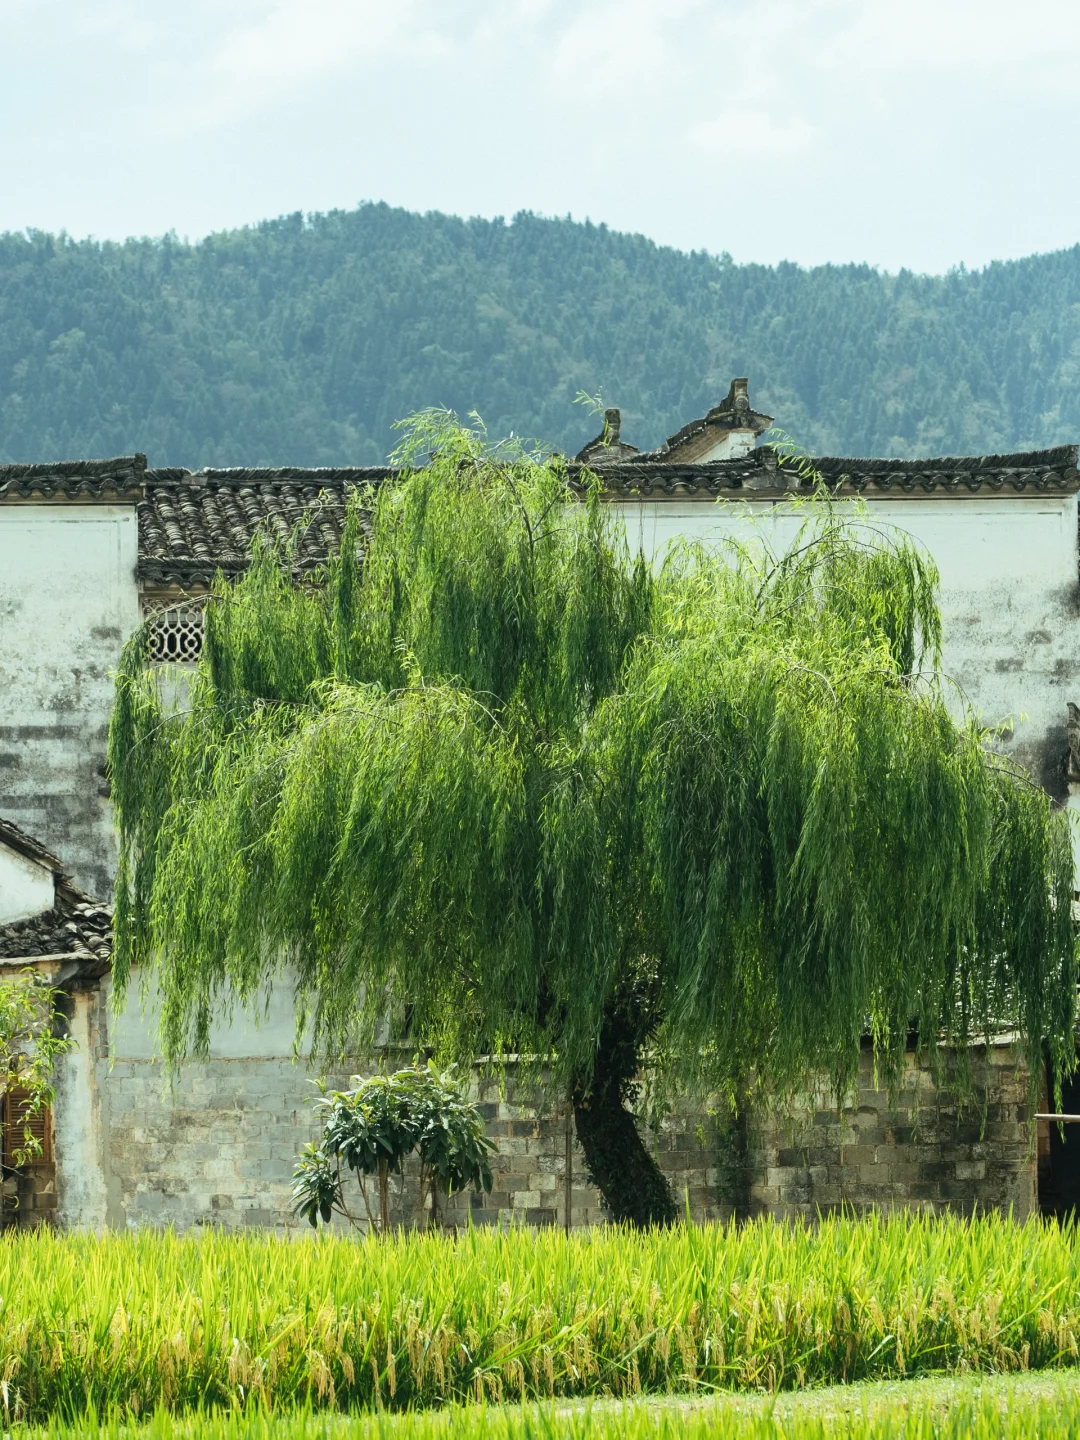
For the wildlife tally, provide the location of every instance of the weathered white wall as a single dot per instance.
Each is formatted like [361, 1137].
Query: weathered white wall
[1009, 595]
[68, 600]
[220, 1146]
[265, 1033]
[26, 888]
[79, 1111]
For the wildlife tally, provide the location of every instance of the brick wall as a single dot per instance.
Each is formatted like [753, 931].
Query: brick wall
[923, 1151]
[220, 1150]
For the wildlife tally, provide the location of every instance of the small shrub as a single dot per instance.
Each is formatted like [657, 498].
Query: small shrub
[374, 1127]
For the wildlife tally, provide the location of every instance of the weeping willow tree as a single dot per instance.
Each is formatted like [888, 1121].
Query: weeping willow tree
[493, 775]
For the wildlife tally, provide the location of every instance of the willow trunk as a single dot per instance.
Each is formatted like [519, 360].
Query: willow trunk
[632, 1184]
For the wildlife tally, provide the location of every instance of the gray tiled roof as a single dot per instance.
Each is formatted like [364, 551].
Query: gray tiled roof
[76, 926]
[121, 478]
[193, 524]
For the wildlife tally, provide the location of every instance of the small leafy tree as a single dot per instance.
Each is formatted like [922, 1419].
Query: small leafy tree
[373, 1128]
[495, 774]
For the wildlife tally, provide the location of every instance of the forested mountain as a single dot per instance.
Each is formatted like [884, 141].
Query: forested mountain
[302, 340]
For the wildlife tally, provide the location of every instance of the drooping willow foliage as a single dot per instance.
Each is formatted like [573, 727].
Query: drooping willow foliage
[493, 773]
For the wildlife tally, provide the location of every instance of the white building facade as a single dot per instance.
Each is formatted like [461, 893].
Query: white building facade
[88, 549]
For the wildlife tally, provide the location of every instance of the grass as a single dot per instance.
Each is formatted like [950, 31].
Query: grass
[135, 1323]
[982, 1407]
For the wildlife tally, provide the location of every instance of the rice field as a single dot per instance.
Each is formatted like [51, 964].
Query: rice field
[135, 1324]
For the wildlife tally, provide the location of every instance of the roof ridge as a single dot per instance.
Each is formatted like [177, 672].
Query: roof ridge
[1054, 455]
[75, 480]
[19, 470]
[280, 474]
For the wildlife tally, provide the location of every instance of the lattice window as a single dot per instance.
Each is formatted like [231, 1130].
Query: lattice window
[16, 1122]
[176, 632]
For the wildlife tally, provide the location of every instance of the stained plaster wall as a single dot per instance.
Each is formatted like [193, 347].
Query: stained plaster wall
[68, 600]
[1010, 598]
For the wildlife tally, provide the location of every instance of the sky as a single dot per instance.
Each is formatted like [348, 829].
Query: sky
[925, 134]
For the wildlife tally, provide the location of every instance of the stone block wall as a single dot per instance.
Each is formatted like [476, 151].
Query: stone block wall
[923, 1151]
[29, 1197]
[219, 1150]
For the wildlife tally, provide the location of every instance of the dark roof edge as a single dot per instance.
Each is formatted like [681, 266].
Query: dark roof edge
[357, 475]
[1055, 458]
[130, 476]
[29, 848]
[758, 472]
[119, 464]
[121, 477]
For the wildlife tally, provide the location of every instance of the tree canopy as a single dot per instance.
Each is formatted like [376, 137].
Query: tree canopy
[494, 775]
[300, 341]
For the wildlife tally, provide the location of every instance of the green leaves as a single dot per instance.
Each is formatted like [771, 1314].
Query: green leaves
[29, 1049]
[316, 1185]
[502, 773]
[373, 1128]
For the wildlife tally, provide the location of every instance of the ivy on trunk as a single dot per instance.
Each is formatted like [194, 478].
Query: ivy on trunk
[492, 770]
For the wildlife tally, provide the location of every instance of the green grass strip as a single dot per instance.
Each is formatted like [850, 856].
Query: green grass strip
[980, 1407]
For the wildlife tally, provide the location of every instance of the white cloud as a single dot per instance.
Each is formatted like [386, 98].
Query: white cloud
[965, 37]
[617, 46]
[300, 39]
[752, 135]
[888, 124]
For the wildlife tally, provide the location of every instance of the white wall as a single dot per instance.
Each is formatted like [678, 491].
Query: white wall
[79, 1133]
[26, 887]
[68, 601]
[1009, 595]
[264, 1033]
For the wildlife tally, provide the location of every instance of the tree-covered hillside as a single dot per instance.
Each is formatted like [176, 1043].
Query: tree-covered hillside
[300, 341]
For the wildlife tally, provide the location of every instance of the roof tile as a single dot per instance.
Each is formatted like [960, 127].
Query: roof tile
[75, 479]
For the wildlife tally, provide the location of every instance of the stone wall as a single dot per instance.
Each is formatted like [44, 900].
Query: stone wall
[219, 1149]
[922, 1152]
[29, 1197]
